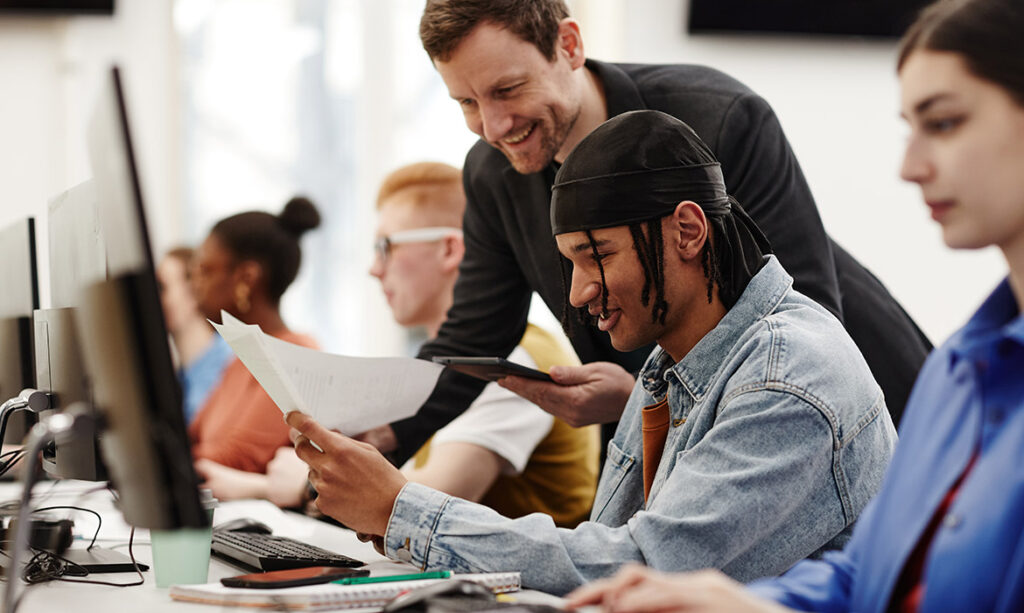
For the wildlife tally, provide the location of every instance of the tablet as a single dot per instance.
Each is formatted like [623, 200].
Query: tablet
[490, 369]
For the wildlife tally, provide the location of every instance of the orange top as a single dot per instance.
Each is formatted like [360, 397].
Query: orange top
[240, 426]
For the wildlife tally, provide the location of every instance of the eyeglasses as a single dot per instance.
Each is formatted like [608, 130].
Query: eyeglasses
[382, 246]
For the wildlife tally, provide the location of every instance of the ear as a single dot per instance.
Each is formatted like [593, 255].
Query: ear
[249, 272]
[451, 257]
[569, 43]
[689, 230]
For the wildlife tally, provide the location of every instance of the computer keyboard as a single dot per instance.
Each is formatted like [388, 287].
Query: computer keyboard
[267, 552]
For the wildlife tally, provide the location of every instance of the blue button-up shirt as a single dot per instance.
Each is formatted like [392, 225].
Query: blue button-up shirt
[969, 399]
[779, 437]
[199, 378]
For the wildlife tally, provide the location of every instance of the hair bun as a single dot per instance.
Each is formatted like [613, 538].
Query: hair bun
[299, 216]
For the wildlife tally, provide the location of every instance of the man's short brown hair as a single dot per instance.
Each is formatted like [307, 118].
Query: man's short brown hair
[445, 23]
[431, 187]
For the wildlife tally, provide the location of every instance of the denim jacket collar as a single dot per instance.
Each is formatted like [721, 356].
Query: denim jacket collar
[698, 367]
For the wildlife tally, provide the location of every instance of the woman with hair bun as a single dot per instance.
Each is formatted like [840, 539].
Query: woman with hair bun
[244, 267]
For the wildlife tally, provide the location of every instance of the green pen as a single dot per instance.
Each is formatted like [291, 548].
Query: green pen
[437, 574]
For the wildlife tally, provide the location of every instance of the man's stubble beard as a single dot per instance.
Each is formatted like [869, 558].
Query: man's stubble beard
[551, 144]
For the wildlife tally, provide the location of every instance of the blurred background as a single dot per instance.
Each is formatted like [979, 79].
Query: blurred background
[239, 104]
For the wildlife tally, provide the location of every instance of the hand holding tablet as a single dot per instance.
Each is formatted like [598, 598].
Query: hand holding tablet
[490, 368]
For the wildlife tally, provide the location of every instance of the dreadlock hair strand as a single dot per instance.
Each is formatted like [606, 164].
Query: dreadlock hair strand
[600, 267]
[650, 250]
[658, 267]
[714, 261]
[640, 245]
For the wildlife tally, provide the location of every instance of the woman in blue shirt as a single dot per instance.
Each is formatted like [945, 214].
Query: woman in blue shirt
[945, 532]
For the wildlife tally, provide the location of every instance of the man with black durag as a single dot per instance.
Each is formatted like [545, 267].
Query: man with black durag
[753, 437]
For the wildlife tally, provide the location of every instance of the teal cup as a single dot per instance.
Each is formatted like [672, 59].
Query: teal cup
[182, 556]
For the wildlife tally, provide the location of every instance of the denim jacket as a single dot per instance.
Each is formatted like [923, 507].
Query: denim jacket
[779, 436]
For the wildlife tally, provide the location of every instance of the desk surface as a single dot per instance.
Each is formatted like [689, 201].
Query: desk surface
[63, 596]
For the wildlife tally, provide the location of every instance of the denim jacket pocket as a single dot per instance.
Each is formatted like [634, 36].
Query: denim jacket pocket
[617, 465]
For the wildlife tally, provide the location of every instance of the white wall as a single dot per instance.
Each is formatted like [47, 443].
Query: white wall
[31, 129]
[836, 98]
[838, 101]
[50, 69]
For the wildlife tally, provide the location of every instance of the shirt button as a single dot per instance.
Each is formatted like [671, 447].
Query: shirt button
[403, 554]
[952, 521]
[996, 416]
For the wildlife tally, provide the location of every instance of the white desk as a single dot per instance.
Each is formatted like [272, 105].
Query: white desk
[59, 596]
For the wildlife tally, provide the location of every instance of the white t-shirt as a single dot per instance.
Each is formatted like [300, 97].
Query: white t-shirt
[501, 421]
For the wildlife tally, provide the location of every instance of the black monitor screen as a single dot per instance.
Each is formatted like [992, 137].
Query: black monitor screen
[874, 18]
[99, 7]
[124, 340]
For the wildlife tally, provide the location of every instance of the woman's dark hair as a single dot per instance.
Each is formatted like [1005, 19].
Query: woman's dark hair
[988, 34]
[445, 23]
[270, 240]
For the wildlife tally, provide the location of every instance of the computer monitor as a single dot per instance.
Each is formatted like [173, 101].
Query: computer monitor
[125, 344]
[18, 298]
[78, 259]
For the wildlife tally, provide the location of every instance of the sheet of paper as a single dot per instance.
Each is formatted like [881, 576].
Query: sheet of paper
[248, 343]
[344, 393]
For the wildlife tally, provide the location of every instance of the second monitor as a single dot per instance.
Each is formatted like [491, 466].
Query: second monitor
[77, 252]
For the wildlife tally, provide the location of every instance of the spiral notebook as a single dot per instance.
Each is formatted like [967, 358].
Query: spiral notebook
[329, 595]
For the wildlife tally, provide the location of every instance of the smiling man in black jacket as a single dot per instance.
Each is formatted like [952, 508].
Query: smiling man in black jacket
[518, 71]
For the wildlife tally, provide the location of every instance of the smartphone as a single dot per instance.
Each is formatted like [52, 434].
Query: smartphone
[293, 577]
[490, 369]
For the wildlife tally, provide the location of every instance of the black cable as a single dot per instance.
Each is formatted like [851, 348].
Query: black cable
[9, 459]
[131, 554]
[99, 519]
[49, 566]
[46, 566]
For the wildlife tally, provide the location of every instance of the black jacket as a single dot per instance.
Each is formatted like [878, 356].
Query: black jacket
[510, 252]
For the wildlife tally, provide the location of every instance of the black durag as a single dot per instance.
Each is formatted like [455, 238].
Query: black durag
[637, 167]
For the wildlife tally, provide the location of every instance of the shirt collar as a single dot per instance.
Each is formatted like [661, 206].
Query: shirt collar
[997, 318]
[620, 92]
[696, 370]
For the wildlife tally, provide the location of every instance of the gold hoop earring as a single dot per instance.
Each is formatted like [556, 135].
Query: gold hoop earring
[242, 298]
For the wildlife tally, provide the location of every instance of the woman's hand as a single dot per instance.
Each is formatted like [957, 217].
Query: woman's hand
[230, 483]
[638, 589]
